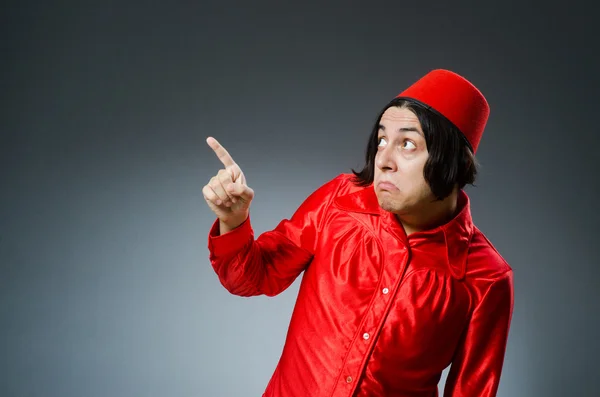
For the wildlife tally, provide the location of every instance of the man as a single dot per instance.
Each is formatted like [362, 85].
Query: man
[398, 282]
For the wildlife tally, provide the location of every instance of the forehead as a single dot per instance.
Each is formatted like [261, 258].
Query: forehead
[396, 115]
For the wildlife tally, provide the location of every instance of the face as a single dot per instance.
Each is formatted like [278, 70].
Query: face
[401, 155]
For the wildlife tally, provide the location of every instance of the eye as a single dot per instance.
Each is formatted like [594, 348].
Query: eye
[379, 140]
[408, 145]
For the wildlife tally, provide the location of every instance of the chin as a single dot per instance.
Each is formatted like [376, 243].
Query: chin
[389, 205]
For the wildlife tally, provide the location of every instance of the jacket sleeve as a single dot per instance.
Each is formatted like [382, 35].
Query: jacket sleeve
[270, 263]
[477, 364]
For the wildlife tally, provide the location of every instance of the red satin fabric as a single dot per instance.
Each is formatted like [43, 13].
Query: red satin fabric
[378, 313]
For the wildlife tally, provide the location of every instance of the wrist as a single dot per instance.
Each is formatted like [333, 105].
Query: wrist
[225, 227]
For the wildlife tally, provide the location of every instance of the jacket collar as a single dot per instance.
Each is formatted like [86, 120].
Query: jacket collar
[456, 233]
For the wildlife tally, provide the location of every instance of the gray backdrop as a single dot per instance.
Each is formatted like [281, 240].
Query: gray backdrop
[106, 288]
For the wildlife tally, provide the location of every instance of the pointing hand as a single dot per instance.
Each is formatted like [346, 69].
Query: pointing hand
[227, 193]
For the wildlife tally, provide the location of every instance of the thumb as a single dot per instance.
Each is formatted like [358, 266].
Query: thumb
[235, 172]
[240, 190]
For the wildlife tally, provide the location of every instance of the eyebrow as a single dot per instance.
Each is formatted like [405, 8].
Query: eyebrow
[403, 129]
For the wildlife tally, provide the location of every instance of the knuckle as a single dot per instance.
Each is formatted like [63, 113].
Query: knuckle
[226, 175]
[209, 195]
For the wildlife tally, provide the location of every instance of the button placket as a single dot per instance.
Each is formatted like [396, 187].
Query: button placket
[356, 360]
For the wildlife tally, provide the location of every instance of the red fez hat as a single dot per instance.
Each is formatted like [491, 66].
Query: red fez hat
[455, 98]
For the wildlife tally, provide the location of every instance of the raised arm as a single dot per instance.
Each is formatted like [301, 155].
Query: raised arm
[270, 263]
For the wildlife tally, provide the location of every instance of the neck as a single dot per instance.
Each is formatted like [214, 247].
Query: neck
[431, 216]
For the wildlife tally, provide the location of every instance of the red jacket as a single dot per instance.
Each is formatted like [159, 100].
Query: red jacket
[377, 313]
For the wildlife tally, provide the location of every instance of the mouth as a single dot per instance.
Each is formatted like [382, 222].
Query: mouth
[387, 186]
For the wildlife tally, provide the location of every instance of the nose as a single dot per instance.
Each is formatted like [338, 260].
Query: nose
[384, 159]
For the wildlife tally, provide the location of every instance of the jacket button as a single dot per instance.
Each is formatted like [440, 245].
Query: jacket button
[349, 379]
[385, 291]
[366, 336]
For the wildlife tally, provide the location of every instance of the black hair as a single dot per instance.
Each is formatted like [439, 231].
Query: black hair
[451, 161]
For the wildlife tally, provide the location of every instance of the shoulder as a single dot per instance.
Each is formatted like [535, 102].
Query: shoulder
[340, 185]
[321, 197]
[484, 260]
[345, 180]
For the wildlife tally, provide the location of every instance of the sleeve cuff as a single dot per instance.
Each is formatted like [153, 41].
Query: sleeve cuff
[230, 242]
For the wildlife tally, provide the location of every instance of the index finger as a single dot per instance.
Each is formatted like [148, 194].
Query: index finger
[220, 151]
